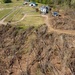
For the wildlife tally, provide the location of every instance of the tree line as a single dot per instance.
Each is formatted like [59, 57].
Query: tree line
[68, 2]
[55, 2]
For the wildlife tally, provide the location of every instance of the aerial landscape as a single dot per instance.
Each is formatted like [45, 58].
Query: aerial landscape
[37, 37]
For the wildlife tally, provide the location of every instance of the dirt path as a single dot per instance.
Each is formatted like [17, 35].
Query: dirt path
[50, 29]
[19, 20]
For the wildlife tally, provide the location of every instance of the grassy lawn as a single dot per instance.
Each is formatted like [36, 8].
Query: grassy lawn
[4, 12]
[8, 5]
[15, 16]
[19, 13]
[13, 4]
[29, 10]
[32, 21]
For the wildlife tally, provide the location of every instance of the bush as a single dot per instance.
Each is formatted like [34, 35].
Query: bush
[7, 1]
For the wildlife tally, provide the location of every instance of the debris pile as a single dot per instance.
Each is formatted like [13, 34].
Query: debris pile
[65, 21]
[35, 52]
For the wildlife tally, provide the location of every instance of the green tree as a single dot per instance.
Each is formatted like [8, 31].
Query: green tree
[7, 1]
[69, 3]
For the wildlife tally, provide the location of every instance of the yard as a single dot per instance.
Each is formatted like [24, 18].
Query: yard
[32, 18]
[15, 16]
[32, 21]
[20, 12]
[13, 4]
[4, 12]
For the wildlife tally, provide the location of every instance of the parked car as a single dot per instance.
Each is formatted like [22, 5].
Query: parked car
[55, 14]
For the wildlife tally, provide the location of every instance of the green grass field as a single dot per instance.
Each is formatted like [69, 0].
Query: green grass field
[15, 16]
[4, 12]
[32, 21]
[19, 12]
[29, 10]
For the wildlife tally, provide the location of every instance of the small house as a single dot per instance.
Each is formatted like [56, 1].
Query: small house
[33, 4]
[44, 9]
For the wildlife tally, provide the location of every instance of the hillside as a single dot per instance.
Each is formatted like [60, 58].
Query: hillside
[34, 41]
[65, 21]
[36, 51]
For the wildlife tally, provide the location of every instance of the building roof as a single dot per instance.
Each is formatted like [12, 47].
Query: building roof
[44, 7]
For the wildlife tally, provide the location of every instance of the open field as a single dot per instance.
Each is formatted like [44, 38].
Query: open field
[7, 5]
[19, 13]
[13, 4]
[4, 12]
[32, 21]
[16, 15]
[33, 18]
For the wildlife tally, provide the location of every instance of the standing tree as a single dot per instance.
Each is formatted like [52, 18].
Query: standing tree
[7, 1]
[69, 2]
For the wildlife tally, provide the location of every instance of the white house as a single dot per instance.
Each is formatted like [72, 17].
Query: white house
[44, 9]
